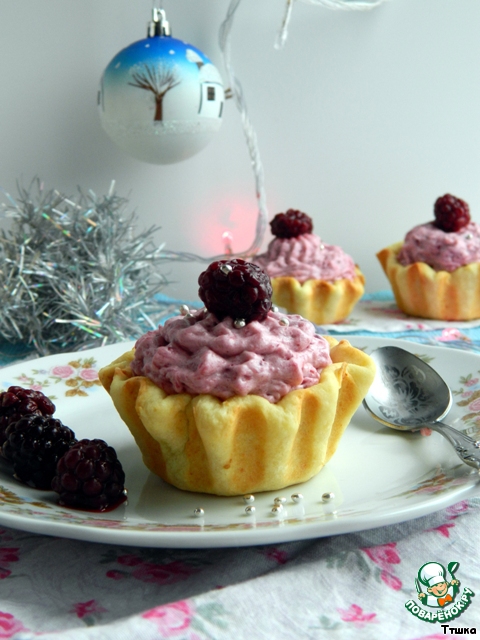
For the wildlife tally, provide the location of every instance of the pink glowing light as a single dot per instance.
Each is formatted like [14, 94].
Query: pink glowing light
[216, 224]
[227, 239]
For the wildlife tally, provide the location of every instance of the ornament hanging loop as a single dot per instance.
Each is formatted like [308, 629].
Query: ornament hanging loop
[159, 25]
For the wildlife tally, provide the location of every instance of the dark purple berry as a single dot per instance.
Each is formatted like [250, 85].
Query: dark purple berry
[89, 476]
[451, 213]
[291, 224]
[236, 288]
[34, 444]
[17, 402]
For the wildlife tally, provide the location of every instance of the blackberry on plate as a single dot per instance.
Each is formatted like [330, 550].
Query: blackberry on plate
[89, 476]
[17, 402]
[451, 213]
[291, 224]
[236, 288]
[34, 444]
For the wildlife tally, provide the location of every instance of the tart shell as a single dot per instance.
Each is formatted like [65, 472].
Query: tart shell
[243, 444]
[421, 291]
[319, 301]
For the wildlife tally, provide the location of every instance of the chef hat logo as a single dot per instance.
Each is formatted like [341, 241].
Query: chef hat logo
[431, 574]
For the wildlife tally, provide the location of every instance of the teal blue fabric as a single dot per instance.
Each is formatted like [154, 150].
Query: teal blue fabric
[467, 339]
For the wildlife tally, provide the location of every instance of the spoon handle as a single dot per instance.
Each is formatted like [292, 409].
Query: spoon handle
[467, 448]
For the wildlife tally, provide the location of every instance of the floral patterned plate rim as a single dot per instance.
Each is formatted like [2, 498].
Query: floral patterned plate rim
[378, 476]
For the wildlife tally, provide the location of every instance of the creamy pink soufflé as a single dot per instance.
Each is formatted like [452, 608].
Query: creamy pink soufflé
[306, 257]
[442, 250]
[198, 354]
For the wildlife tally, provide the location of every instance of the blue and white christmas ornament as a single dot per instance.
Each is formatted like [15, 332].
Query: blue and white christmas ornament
[160, 99]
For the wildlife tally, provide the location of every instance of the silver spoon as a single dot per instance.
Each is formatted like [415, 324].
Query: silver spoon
[407, 394]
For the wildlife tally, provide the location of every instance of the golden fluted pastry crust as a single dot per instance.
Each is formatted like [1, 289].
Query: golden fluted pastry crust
[319, 301]
[421, 291]
[242, 444]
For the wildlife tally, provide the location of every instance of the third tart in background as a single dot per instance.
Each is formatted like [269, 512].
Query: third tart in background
[435, 271]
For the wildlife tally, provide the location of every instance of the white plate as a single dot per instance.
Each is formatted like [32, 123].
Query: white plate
[378, 476]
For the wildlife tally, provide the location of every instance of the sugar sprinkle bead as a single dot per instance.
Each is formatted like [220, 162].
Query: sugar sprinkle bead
[274, 309]
[284, 322]
[277, 509]
[329, 495]
[469, 236]
[250, 510]
[297, 497]
[278, 501]
[184, 310]
[239, 323]
[226, 269]
[198, 512]
[249, 499]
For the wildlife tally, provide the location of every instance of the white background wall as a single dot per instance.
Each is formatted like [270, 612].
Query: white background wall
[363, 119]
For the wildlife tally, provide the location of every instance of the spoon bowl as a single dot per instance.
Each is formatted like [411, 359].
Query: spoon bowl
[408, 395]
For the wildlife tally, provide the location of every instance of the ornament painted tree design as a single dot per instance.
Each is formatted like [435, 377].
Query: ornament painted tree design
[158, 79]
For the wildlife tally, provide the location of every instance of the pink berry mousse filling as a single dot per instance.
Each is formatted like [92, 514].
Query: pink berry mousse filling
[306, 257]
[442, 250]
[201, 355]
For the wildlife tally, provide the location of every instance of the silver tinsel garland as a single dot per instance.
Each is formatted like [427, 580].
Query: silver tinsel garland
[73, 275]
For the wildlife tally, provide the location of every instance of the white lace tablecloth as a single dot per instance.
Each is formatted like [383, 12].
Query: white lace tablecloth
[346, 586]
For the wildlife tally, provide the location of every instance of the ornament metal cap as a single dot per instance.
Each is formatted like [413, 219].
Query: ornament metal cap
[159, 25]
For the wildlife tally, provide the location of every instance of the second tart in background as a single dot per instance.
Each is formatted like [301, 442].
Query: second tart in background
[316, 280]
